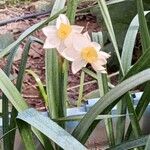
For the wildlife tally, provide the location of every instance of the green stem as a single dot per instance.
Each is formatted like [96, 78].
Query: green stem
[81, 89]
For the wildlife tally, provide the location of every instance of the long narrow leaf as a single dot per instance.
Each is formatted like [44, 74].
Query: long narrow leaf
[40, 85]
[129, 42]
[5, 106]
[16, 99]
[148, 144]
[11, 92]
[107, 19]
[18, 86]
[50, 129]
[108, 101]
[131, 144]
[145, 37]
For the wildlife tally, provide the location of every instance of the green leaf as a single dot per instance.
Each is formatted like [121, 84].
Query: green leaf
[145, 37]
[147, 144]
[19, 87]
[25, 136]
[92, 94]
[5, 106]
[131, 144]
[128, 46]
[5, 40]
[108, 101]
[50, 129]
[141, 64]
[107, 19]
[140, 108]
[11, 92]
[40, 85]
[71, 10]
[16, 99]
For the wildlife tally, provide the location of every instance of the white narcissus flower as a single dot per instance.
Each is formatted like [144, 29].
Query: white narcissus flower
[84, 51]
[59, 35]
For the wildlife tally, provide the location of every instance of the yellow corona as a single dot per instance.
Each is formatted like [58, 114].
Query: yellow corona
[89, 54]
[64, 31]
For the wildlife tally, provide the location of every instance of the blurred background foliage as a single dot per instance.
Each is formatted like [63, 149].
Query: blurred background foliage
[121, 15]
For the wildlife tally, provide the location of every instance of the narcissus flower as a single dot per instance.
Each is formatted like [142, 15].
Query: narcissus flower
[58, 35]
[83, 51]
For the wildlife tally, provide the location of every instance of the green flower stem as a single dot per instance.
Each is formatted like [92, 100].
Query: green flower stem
[103, 89]
[81, 89]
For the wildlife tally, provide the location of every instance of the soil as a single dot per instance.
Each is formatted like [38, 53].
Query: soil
[36, 54]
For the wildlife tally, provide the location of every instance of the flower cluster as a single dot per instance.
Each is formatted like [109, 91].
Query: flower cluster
[74, 46]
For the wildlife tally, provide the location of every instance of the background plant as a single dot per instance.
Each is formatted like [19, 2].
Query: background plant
[56, 81]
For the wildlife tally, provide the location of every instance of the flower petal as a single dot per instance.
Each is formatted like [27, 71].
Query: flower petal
[77, 29]
[49, 30]
[70, 54]
[61, 19]
[69, 40]
[77, 65]
[96, 46]
[61, 47]
[86, 34]
[80, 41]
[104, 54]
[97, 66]
[52, 42]
[101, 61]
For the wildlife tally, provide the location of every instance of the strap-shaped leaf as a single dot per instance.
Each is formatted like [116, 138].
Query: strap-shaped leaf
[108, 101]
[129, 42]
[131, 144]
[50, 129]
